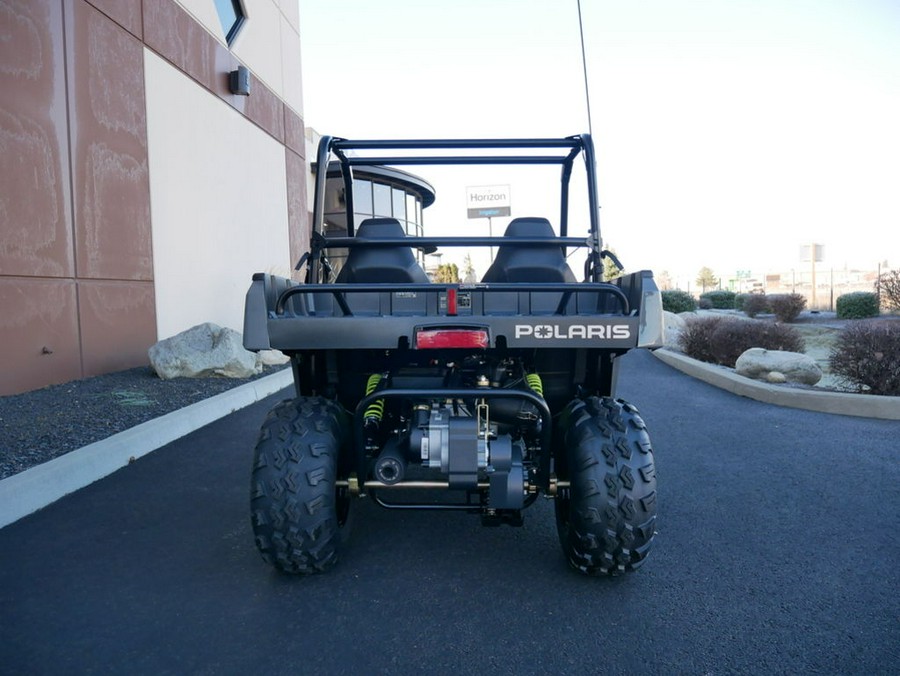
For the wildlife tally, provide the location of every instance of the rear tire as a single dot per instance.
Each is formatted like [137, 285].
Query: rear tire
[606, 519]
[297, 513]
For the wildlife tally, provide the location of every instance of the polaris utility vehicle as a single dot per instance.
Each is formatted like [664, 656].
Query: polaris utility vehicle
[479, 397]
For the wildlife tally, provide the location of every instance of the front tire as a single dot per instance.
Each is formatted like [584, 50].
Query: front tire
[606, 518]
[297, 513]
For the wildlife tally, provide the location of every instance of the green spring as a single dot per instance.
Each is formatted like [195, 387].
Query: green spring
[533, 380]
[376, 409]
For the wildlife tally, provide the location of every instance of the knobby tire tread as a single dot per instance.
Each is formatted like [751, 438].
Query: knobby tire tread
[294, 506]
[607, 519]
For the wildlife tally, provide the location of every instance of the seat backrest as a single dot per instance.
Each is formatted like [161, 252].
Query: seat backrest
[381, 265]
[515, 263]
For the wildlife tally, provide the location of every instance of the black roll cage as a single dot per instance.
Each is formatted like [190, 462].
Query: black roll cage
[567, 148]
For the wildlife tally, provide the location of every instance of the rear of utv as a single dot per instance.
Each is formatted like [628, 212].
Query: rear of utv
[479, 397]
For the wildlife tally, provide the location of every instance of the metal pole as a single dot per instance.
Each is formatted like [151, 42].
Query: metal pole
[878, 286]
[587, 96]
[812, 257]
[491, 234]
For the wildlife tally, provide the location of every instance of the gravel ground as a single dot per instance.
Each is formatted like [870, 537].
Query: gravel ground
[40, 425]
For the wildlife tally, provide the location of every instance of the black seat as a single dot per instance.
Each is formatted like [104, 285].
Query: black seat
[381, 265]
[540, 264]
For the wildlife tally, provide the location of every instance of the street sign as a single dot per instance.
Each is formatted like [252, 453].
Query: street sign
[808, 250]
[487, 201]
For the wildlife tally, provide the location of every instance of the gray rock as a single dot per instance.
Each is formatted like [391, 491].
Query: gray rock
[201, 351]
[272, 357]
[674, 326]
[795, 367]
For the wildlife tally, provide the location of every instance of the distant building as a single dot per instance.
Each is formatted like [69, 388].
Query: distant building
[378, 192]
[830, 283]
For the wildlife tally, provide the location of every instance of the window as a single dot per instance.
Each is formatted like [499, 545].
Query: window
[231, 14]
[382, 200]
[398, 197]
[411, 225]
[362, 196]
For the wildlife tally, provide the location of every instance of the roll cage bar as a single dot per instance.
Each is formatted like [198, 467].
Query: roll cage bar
[560, 151]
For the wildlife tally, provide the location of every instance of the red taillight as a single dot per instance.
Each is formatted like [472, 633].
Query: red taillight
[451, 302]
[449, 338]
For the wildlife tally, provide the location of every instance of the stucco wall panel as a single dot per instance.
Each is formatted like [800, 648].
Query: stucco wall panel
[268, 42]
[204, 12]
[219, 198]
[126, 13]
[294, 132]
[39, 327]
[291, 11]
[173, 33]
[258, 45]
[118, 324]
[266, 110]
[298, 214]
[292, 92]
[109, 147]
[34, 159]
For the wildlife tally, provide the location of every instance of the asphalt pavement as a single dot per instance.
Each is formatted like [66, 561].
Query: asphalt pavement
[777, 552]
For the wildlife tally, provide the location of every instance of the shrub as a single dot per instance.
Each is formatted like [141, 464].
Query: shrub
[857, 305]
[675, 300]
[721, 299]
[788, 306]
[739, 301]
[696, 337]
[889, 284]
[755, 303]
[734, 338]
[704, 303]
[866, 355]
[721, 340]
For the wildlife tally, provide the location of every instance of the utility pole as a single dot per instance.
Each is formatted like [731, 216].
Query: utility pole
[878, 286]
[491, 234]
[812, 257]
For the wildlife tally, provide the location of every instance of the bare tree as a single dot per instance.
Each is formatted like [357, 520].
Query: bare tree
[706, 278]
[469, 270]
[889, 289]
[664, 280]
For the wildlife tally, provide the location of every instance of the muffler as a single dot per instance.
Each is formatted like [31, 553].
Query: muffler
[390, 466]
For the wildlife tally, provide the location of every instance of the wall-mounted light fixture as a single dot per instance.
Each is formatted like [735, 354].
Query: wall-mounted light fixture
[239, 81]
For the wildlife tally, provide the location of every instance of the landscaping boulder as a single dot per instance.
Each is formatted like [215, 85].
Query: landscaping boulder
[272, 357]
[674, 326]
[778, 366]
[204, 350]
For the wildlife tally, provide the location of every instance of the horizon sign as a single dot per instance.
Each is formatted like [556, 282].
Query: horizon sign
[487, 201]
[812, 253]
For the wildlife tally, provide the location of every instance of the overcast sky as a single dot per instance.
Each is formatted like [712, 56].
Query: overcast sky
[729, 132]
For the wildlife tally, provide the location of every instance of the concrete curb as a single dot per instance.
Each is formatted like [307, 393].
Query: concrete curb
[859, 405]
[37, 487]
